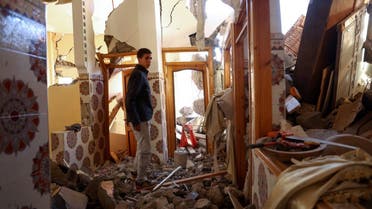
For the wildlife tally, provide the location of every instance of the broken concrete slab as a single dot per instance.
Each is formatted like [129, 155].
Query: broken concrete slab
[347, 113]
[162, 202]
[215, 195]
[57, 202]
[105, 195]
[113, 186]
[362, 124]
[73, 199]
[202, 203]
[312, 120]
[122, 205]
[57, 175]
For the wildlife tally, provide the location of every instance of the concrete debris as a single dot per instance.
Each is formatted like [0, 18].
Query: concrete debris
[312, 120]
[105, 195]
[112, 186]
[73, 199]
[215, 195]
[57, 202]
[202, 204]
[116, 46]
[346, 114]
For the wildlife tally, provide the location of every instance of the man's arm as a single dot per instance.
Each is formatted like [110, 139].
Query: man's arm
[134, 87]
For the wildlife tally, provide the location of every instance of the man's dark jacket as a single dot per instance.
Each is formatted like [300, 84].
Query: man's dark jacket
[138, 98]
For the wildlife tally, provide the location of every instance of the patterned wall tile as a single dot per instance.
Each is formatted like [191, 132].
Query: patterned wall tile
[24, 152]
[21, 34]
[98, 114]
[263, 181]
[33, 9]
[21, 91]
[25, 170]
[77, 149]
[57, 146]
[158, 124]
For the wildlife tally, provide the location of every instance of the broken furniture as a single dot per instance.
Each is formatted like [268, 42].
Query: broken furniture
[269, 169]
[330, 38]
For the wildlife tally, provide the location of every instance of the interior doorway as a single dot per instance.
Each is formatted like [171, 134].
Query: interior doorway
[187, 99]
[119, 134]
[187, 84]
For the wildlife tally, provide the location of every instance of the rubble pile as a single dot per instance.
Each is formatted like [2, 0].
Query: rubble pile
[112, 186]
[348, 116]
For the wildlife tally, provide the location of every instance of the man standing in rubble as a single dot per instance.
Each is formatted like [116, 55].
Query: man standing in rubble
[139, 112]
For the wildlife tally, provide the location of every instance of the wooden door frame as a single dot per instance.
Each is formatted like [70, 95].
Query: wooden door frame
[105, 64]
[170, 98]
[239, 31]
[209, 88]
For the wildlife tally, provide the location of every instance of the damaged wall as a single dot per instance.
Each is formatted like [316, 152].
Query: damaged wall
[90, 150]
[314, 55]
[62, 111]
[24, 152]
[277, 64]
[137, 23]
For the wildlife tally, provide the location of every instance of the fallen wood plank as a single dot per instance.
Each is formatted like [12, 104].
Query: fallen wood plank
[190, 179]
[323, 87]
[327, 99]
[194, 178]
[166, 178]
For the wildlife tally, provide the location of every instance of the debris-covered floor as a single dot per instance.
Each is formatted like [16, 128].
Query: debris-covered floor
[112, 186]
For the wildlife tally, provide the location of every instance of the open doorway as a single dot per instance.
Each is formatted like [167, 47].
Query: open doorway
[189, 106]
[188, 85]
[116, 75]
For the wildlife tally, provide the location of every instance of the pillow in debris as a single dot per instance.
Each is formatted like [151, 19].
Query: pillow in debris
[186, 111]
[225, 103]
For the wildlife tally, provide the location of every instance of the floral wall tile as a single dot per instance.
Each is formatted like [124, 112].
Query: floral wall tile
[158, 124]
[24, 147]
[263, 181]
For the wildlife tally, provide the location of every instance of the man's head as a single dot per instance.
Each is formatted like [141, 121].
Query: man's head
[144, 57]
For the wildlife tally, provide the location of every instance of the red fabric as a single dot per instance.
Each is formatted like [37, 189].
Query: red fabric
[184, 142]
[192, 136]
